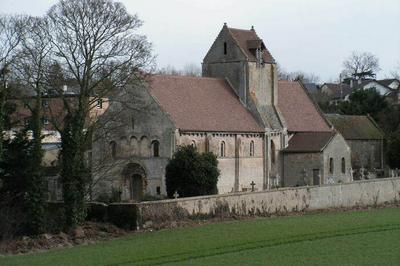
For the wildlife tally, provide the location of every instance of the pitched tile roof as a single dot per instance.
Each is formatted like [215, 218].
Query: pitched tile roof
[298, 109]
[356, 126]
[201, 104]
[247, 41]
[309, 141]
[339, 90]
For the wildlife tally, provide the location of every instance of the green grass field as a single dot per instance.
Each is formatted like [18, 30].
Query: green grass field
[370, 237]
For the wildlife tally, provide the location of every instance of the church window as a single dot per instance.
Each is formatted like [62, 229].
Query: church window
[251, 148]
[193, 144]
[99, 104]
[225, 48]
[222, 149]
[273, 159]
[158, 190]
[156, 148]
[133, 123]
[113, 149]
[331, 165]
[343, 165]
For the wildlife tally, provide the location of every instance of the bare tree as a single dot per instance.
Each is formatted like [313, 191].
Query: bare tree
[361, 65]
[296, 76]
[30, 68]
[396, 72]
[11, 31]
[96, 44]
[191, 69]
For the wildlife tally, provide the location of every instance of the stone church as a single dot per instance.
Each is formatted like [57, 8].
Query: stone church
[263, 131]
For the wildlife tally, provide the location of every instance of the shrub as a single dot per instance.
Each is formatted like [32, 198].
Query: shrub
[122, 215]
[191, 173]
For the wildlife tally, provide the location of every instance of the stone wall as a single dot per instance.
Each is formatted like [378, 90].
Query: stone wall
[280, 201]
[366, 153]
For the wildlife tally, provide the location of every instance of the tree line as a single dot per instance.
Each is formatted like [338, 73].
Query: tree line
[93, 44]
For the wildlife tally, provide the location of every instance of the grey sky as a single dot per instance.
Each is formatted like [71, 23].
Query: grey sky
[309, 35]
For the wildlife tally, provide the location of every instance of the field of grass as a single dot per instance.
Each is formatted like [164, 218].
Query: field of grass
[368, 237]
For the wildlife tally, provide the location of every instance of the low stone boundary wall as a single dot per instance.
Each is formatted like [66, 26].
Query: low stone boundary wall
[263, 203]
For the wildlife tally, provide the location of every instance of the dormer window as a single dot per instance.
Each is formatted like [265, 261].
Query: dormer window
[225, 48]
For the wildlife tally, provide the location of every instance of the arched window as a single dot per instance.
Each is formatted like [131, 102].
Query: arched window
[331, 165]
[155, 146]
[113, 149]
[134, 146]
[225, 48]
[343, 165]
[193, 144]
[133, 123]
[273, 152]
[222, 149]
[251, 148]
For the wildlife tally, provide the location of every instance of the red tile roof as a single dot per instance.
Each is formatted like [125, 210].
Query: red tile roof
[298, 110]
[202, 104]
[309, 141]
[246, 40]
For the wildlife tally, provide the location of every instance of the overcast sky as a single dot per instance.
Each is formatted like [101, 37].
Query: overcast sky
[309, 35]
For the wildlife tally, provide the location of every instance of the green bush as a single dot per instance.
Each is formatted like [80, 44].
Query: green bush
[122, 215]
[191, 173]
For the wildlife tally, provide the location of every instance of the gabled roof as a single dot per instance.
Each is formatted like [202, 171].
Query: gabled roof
[298, 110]
[248, 41]
[387, 82]
[311, 87]
[309, 141]
[201, 104]
[356, 127]
[339, 90]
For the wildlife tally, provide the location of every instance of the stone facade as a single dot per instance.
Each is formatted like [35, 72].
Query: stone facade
[366, 153]
[328, 166]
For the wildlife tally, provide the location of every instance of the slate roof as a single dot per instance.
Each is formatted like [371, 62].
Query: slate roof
[247, 41]
[201, 104]
[309, 141]
[387, 82]
[339, 90]
[311, 87]
[356, 127]
[298, 110]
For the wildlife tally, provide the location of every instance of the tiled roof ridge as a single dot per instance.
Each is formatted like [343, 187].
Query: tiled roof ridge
[187, 77]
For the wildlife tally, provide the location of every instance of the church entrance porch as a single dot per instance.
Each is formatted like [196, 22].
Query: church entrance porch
[134, 177]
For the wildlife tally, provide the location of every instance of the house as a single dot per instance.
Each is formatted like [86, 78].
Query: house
[336, 92]
[316, 153]
[364, 137]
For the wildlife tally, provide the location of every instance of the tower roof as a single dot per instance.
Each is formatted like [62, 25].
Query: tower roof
[248, 41]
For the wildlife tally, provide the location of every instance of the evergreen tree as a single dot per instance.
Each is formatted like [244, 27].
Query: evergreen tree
[191, 173]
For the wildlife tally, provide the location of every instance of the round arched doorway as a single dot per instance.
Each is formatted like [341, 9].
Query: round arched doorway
[135, 177]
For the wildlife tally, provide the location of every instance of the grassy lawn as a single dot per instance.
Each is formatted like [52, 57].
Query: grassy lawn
[370, 237]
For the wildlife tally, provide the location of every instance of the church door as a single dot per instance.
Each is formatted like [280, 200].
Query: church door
[316, 178]
[136, 187]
